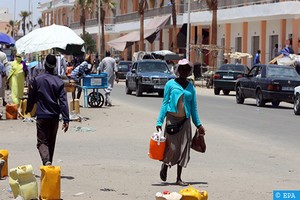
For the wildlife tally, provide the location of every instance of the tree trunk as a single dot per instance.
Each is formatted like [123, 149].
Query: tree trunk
[102, 18]
[23, 26]
[142, 32]
[83, 21]
[174, 26]
[214, 38]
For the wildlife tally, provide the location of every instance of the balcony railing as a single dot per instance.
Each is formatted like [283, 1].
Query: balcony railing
[201, 4]
[148, 13]
[91, 22]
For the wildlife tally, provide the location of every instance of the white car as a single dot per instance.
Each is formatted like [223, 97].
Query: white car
[297, 100]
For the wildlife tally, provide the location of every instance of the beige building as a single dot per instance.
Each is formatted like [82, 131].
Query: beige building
[4, 19]
[243, 25]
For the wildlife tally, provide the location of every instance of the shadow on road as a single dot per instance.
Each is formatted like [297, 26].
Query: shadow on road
[190, 183]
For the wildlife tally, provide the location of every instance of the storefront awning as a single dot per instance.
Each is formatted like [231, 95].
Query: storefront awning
[150, 31]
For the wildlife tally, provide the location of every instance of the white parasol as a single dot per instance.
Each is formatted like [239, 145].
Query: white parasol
[49, 37]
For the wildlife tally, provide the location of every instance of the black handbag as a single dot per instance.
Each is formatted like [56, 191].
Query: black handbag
[174, 128]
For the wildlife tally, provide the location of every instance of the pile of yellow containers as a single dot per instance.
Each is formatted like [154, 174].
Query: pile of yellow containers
[23, 182]
[50, 182]
[4, 156]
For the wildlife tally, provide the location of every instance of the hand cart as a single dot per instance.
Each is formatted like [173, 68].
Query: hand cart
[94, 82]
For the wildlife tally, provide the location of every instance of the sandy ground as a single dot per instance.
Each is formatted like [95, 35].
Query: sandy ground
[108, 159]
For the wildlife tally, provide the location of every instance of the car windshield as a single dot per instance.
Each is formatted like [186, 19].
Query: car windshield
[281, 72]
[153, 67]
[123, 68]
[240, 68]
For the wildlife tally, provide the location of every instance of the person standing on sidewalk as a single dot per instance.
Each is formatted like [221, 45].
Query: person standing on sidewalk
[108, 65]
[3, 61]
[179, 104]
[47, 91]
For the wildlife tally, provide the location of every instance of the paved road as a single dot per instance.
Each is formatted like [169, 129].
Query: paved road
[241, 162]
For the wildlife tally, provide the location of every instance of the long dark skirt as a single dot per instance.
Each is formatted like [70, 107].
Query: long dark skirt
[178, 146]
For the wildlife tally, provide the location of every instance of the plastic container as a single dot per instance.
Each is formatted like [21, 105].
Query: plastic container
[23, 182]
[75, 106]
[23, 106]
[157, 146]
[4, 156]
[50, 182]
[95, 80]
[11, 111]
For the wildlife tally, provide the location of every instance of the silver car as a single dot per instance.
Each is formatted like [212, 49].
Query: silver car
[297, 100]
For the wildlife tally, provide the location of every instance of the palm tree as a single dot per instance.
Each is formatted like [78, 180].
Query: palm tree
[84, 6]
[213, 6]
[24, 15]
[111, 6]
[10, 28]
[40, 22]
[174, 22]
[143, 5]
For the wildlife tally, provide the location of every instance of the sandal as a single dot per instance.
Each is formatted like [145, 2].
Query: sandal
[163, 172]
[181, 183]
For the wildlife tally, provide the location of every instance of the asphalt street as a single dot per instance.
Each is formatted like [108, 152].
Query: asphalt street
[250, 151]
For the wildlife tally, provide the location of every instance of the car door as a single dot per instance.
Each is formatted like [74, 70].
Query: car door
[247, 86]
[255, 80]
[131, 77]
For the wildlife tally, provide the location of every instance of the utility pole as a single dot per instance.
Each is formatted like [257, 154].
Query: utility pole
[99, 28]
[188, 32]
[14, 34]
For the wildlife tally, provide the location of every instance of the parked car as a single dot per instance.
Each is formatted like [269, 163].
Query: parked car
[123, 68]
[148, 76]
[226, 75]
[268, 83]
[297, 100]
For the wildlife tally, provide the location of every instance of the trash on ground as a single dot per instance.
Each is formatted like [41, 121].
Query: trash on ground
[83, 129]
[78, 194]
[107, 190]
[166, 195]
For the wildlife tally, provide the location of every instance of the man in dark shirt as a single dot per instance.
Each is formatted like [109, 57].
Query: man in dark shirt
[47, 91]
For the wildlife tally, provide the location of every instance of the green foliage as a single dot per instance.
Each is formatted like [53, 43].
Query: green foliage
[89, 42]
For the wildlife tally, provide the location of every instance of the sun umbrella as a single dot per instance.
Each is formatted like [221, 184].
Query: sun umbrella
[6, 39]
[49, 37]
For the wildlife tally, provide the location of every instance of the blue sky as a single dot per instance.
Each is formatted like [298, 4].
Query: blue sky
[22, 5]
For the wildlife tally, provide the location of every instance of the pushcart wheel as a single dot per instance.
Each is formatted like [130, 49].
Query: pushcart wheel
[95, 99]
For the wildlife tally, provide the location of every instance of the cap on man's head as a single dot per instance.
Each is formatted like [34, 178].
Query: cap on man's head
[50, 61]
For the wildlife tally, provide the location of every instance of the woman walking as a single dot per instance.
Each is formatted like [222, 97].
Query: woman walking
[179, 104]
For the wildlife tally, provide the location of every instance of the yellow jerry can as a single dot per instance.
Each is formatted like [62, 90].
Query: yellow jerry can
[4, 156]
[23, 182]
[192, 193]
[50, 182]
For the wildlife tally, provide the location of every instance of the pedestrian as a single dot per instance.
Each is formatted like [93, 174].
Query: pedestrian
[16, 80]
[275, 51]
[3, 61]
[47, 91]
[257, 57]
[179, 104]
[108, 65]
[78, 73]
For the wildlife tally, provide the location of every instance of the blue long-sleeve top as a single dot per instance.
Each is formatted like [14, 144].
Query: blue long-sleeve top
[48, 92]
[172, 93]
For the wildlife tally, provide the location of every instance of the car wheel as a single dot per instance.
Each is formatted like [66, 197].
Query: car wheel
[239, 96]
[275, 103]
[226, 92]
[217, 91]
[297, 105]
[138, 91]
[260, 102]
[128, 91]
